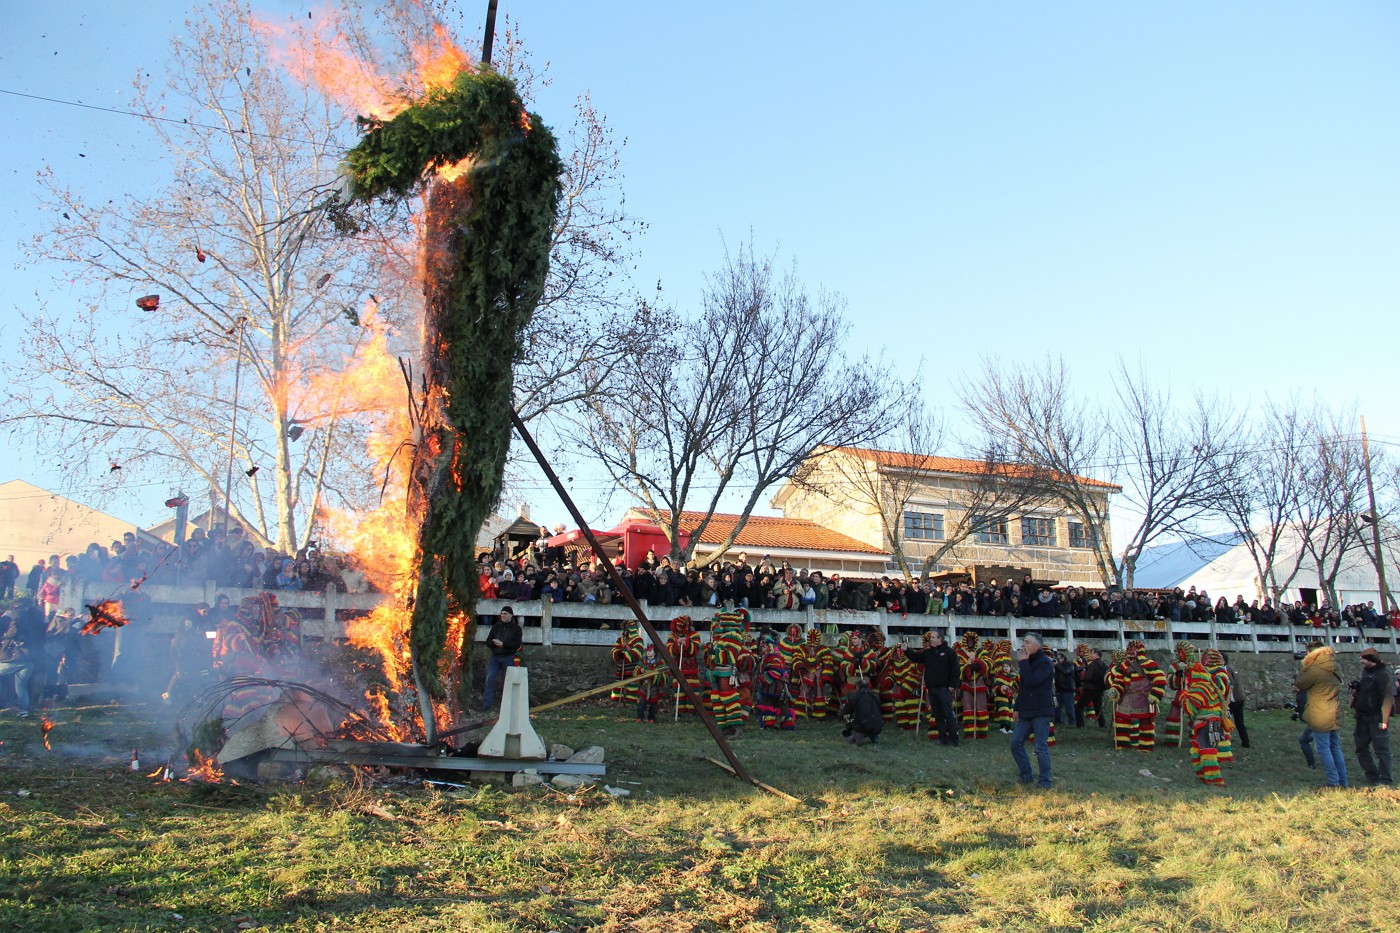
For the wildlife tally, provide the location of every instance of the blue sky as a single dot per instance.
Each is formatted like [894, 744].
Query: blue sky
[1211, 188]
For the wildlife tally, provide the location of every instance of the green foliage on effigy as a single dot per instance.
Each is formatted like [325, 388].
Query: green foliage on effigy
[480, 300]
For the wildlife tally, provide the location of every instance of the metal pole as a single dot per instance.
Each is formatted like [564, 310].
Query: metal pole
[490, 33]
[631, 601]
[233, 427]
[1386, 602]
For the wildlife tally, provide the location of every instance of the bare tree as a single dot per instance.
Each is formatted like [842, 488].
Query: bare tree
[237, 265]
[1263, 475]
[1031, 415]
[247, 264]
[735, 399]
[1331, 502]
[1169, 462]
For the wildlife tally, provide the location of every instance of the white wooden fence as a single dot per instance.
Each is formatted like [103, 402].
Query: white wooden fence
[324, 616]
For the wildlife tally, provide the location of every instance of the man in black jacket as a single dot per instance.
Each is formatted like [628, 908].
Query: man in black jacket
[940, 676]
[1035, 706]
[1374, 701]
[504, 641]
[862, 713]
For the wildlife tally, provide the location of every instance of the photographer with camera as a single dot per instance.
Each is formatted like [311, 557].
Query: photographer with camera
[1373, 699]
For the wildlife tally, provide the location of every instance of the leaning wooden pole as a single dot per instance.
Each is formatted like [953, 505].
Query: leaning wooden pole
[739, 770]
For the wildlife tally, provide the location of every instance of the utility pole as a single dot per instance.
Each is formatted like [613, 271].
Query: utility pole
[1386, 602]
[233, 429]
[490, 33]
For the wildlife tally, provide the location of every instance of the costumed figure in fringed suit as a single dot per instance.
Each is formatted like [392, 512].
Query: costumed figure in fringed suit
[1136, 686]
[773, 697]
[749, 656]
[684, 645]
[626, 655]
[721, 670]
[1214, 663]
[651, 690]
[852, 663]
[1005, 678]
[240, 650]
[791, 647]
[878, 657]
[973, 687]
[905, 682]
[814, 672]
[1203, 707]
[1187, 655]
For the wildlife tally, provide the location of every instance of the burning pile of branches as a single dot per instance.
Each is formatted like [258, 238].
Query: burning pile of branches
[106, 614]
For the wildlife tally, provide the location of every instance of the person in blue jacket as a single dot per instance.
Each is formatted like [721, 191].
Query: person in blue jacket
[1035, 708]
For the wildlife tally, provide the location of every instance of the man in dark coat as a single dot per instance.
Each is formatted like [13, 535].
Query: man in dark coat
[940, 676]
[9, 573]
[504, 641]
[862, 713]
[1035, 708]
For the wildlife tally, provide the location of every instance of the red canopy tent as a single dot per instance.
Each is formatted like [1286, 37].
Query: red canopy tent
[635, 539]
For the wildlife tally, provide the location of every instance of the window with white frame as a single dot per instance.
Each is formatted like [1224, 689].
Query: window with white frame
[923, 526]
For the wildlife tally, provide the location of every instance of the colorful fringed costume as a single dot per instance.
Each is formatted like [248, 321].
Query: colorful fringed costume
[1135, 685]
[904, 682]
[652, 690]
[721, 669]
[772, 696]
[1214, 663]
[878, 657]
[683, 644]
[791, 647]
[1005, 678]
[973, 687]
[815, 673]
[626, 654]
[1203, 705]
[1187, 655]
[852, 663]
[1089, 709]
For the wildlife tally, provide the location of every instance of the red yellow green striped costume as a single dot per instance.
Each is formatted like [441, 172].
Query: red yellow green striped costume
[973, 687]
[721, 670]
[1203, 705]
[1136, 684]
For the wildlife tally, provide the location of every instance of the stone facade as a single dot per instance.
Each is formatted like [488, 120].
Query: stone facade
[838, 490]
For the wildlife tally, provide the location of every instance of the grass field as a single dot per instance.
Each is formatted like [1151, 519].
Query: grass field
[903, 836]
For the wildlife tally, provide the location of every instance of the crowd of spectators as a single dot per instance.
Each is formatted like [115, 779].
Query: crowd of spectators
[557, 574]
[229, 559]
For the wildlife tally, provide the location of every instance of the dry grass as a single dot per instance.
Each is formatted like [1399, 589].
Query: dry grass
[900, 837]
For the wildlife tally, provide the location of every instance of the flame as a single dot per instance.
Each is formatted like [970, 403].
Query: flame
[45, 727]
[106, 614]
[205, 769]
[454, 171]
[332, 58]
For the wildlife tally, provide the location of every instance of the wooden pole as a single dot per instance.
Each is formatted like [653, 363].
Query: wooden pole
[736, 766]
[1386, 602]
[490, 37]
[591, 691]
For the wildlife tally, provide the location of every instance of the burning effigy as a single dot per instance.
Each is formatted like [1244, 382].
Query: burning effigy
[489, 173]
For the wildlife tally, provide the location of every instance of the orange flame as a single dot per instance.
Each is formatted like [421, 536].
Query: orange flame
[106, 614]
[205, 769]
[45, 727]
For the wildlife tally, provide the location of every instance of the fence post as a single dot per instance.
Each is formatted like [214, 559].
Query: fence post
[1214, 635]
[329, 610]
[1069, 634]
[547, 622]
[1293, 636]
[1122, 635]
[1254, 637]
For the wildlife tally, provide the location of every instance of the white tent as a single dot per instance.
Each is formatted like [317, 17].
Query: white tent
[1224, 567]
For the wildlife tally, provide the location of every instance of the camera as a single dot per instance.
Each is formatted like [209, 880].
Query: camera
[1354, 685]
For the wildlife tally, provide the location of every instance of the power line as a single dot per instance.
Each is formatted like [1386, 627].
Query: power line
[150, 116]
